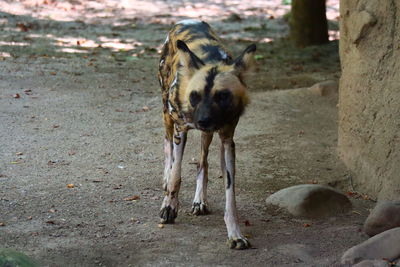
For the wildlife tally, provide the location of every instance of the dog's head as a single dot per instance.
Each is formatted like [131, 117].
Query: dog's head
[215, 95]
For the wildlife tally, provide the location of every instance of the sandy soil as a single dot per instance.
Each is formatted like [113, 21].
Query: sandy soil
[80, 104]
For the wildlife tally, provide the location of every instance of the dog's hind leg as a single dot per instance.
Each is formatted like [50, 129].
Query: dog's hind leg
[199, 206]
[235, 238]
[170, 205]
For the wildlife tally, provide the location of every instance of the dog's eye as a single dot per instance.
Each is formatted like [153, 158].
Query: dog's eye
[223, 97]
[194, 98]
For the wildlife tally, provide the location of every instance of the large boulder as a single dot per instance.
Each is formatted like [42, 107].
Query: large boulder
[385, 245]
[326, 88]
[385, 216]
[369, 96]
[310, 200]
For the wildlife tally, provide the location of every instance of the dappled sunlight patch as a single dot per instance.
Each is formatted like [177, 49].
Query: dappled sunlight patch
[13, 43]
[332, 9]
[77, 44]
[117, 44]
[266, 40]
[107, 11]
[37, 35]
[124, 28]
[75, 41]
[4, 55]
[145, 6]
[333, 35]
[71, 50]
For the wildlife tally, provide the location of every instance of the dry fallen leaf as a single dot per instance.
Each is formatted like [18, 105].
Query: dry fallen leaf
[352, 194]
[16, 95]
[28, 91]
[366, 197]
[134, 197]
[23, 27]
[297, 68]
[306, 225]
[145, 108]
[19, 153]
[70, 185]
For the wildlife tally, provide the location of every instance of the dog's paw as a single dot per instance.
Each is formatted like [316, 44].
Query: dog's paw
[238, 243]
[168, 214]
[200, 208]
[169, 209]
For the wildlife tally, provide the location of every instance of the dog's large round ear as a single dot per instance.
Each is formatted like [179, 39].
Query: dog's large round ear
[245, 61]
[188, 59]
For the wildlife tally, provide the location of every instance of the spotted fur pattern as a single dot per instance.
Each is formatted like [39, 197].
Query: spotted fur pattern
[202, 88]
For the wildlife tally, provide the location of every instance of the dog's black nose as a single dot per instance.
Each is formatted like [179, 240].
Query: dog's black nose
[204, 122]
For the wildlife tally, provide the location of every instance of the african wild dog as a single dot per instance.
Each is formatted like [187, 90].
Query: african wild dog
[202, 88]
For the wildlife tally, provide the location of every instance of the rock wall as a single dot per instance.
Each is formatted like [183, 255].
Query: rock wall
[369, 95]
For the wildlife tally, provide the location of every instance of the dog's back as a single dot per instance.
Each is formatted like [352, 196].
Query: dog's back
[200, 39]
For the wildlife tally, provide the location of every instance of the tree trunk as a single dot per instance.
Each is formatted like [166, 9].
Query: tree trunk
[308, 24]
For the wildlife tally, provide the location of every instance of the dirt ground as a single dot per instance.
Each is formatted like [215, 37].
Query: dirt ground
[80, 106]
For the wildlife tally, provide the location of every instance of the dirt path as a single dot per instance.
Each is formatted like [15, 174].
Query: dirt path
[89, 115]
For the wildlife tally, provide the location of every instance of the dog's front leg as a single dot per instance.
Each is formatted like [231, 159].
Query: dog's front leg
[170, 205]
[168, 149]
[235, 237]
[199, 206]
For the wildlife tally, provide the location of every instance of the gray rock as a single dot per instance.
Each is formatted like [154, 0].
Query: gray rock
[372, 263]
[385, 245]
[326, 88]
[12, 258]
[310, 200]
[385, 216]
